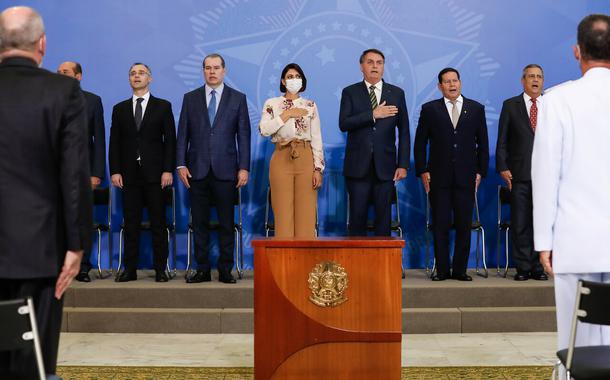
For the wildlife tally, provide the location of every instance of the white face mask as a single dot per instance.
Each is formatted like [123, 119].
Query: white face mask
[293, 86]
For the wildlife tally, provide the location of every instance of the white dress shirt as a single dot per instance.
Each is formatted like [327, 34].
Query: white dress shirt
[528, 104]
[571, 175]
[134, 100]
[458, 103]
[208, 94]
[378, 87]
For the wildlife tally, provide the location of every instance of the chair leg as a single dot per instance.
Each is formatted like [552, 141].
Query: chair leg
[481, 241]
[506, 251]
[99, 254]
[236, 253]
[188, 252]
[429, 272]
[498, 252]
[170, 273]
[110, 253]
[118, 268]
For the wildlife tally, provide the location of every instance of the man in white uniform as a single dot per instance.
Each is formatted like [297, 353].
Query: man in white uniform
[571, 180]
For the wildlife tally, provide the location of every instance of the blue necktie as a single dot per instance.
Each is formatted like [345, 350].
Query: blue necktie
[212, 108]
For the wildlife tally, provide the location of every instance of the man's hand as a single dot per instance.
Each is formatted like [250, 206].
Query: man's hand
[316, 179]
[477, 182]
[69, 270]
[184, 175]
[95, 182]
[166, 179]
[382, 111]
[546, 259]
[242, 178]
[399, 174]
[117, 180]
[507, 176]
[425, 180]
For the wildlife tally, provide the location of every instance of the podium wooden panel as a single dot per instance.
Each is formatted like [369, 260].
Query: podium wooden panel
[297, 339]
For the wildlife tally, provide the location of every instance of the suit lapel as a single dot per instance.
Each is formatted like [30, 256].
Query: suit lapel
[150, 107]
[129, 115]
[465, 111]
[203, 100]
[442, 109]
[224, 100]
[364, 95]
[523, 112]
[385, 93]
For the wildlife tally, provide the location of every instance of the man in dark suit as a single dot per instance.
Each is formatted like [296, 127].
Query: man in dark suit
[213, 159]
[45, 196]
[97, 145]
[516, 129]
[371, 112]
[141, 157]
[455, 131]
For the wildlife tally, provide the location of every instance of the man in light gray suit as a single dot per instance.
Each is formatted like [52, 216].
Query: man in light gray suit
[570, 180]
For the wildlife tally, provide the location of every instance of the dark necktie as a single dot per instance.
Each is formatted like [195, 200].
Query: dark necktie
[534, 115]
[373, 97]
[212, 108]
[138, 114]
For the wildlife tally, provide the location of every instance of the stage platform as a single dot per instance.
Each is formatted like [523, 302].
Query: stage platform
[484, 305]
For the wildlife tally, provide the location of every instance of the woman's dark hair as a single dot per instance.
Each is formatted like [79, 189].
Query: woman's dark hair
[301, 73]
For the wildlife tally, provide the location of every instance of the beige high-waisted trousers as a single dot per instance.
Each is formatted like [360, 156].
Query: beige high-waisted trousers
[293, 198]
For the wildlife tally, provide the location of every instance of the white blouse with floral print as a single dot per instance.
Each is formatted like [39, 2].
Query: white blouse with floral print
[305, 128]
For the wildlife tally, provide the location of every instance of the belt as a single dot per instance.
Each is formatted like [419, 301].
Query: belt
[292, 145]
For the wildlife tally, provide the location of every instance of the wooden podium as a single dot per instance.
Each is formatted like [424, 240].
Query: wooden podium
[328, 308]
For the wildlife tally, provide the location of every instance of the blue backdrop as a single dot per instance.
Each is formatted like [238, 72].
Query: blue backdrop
[488, 41]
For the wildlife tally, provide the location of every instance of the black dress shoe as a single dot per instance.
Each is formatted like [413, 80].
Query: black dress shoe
[160, 276]
[200, 276]
[226, 277]
[126, 275]
[461, 277]
[83, 277]
[540, 276]
[440, 277]
[521, 277]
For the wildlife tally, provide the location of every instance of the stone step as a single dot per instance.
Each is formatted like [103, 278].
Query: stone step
[417, 292]
[241, 320]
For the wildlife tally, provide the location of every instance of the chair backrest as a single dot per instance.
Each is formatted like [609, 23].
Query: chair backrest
[101, 196]
[18, 329]
[169, 200]
[594, 304]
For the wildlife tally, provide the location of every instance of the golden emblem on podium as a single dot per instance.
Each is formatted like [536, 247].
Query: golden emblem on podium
[327, 282]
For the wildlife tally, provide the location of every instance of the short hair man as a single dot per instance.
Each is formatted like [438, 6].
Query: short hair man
[518, 121]
[97, 145]
[141, 157]
[454, 129]
[213, 159]
[45, 196]
[570, 180]
[372, 112]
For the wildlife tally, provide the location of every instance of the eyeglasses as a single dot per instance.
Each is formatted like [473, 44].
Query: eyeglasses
[141, 72]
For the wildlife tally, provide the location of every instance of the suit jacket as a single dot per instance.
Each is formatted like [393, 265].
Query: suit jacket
[45, 190]
[374, 140]
[515, 140]
[571, 176]
[455, 154]
[97, 134]
[155, 142]
[224, 146]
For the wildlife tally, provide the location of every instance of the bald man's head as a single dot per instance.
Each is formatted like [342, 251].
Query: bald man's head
[21, 30]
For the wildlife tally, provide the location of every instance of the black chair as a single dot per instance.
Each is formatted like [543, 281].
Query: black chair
[590, 362]
[475, 226]
[169, 200]
[18, 331]
[503, 228]
[103, 198]
[213, 225]
[270, 224]
[394, 223]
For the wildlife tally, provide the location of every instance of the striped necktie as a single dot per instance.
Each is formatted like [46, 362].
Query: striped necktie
[373, 97]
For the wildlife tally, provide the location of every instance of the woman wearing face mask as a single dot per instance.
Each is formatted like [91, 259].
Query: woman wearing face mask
[295, 171]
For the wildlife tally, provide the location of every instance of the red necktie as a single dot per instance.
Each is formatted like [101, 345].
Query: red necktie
[534, 115]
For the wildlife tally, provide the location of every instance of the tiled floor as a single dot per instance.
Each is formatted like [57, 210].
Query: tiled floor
[236, 350]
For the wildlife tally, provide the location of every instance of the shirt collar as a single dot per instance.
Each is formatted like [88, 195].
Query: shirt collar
[528, 98]
[219, 89]
[146, 96]
[377, 85]
[459, 100]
